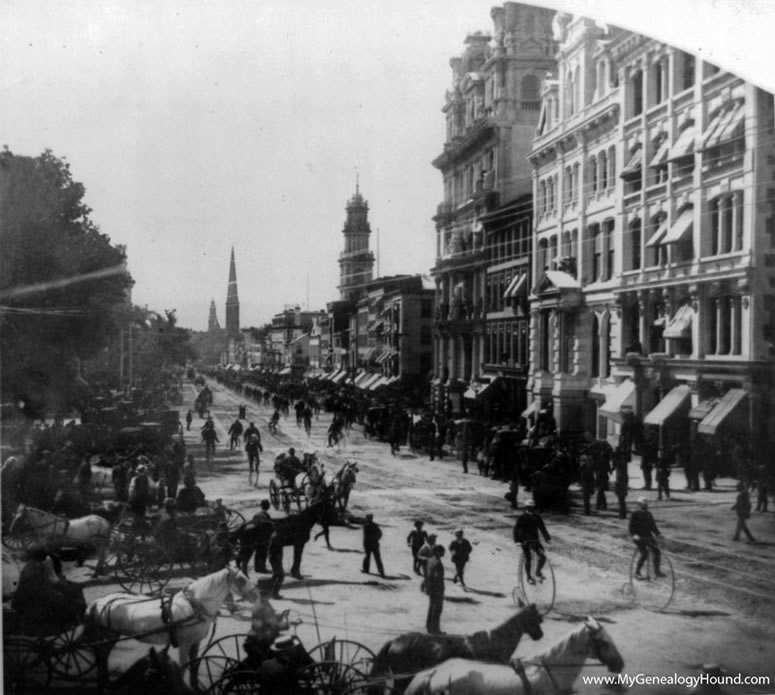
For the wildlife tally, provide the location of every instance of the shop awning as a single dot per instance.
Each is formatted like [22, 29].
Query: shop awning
[675, 401]
[383, 356]
[661, 154]
[517, 283]
[634, 165]
[366, 383]
[729, 404]
[702, 409]
[684, 145]
[338, 377]
[532, 408]
[376, 384]
[622, 396]
[681, 228]
[724, 126]
[681, 324]
[285, 370]
[656, 237]
[482, 389]
[360, 376]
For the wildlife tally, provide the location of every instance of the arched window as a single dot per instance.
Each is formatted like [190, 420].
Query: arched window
[602, 78]
[636, 93]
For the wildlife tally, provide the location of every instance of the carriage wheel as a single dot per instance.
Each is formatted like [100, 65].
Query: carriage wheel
[328, 678]
[286, 501]
[143, 567]
[219, 660]
[243, 682]
[234, 519]
[345, 651]
[23, 663]
[18, 542]
[72, 658]
[274, 494]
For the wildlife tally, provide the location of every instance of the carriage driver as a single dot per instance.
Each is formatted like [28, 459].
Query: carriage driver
[526, 531]
[265, 626]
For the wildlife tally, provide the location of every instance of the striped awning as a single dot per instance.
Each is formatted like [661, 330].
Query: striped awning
[621, 396]
[674, 402]
[681, 324]
[730, 404]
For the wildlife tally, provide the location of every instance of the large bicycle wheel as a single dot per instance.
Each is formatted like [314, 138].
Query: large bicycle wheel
[345, 651]
[328, 678]
[652, 592]
[542, 591]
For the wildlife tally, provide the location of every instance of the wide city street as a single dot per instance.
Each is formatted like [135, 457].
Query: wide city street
[721, 612]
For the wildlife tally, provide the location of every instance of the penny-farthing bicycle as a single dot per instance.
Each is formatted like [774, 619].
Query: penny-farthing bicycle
[542, 590]
[650, 590]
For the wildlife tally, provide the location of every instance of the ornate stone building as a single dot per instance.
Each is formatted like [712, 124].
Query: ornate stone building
[356, 261]
[491, 110]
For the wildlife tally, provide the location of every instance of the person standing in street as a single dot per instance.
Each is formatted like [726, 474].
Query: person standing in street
[372, 534]
[264, 531]
[621, 480]
[435, 588]
[235, 432]
[460, 551]
[253, 448]
[189, 419]
[742, 507]
[415, 540]
[424, 554]
[587, 481]
[663, 476]
[648, 457]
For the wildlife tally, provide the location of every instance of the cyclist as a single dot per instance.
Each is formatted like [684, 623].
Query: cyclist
[643, 530]
[273, 421]
[526, 533]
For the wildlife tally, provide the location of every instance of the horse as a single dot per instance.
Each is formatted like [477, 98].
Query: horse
[313, 482]
[551, 672]
[294, 530]
[415, 651]
[184, 621]
[91, 530]
[343, 483]
[154, 674]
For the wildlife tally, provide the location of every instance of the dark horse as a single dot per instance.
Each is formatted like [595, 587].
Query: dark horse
[416, 651]
[154, 674]
[295, 530]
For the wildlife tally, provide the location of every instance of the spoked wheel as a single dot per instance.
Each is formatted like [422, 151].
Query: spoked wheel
[346, 652]
[274, 494]
[143, 567]
[234, 519]
[20, 542]
[542, 592]
[71, 657]
[328, 678]
[652, 592]
[218, 661]
[23, 664]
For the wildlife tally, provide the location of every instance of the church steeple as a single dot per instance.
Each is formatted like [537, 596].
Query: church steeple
[356, 262]
[212, 322]
[232, 301]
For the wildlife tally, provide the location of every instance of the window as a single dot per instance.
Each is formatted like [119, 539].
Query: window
[543, 248]
[576, 178]
[656, 249]
[608, 249]
[569, 92]
[530, 93]
[553, 251]
[577, 100]
[592, 169]
[659, 81]
[546, 340]
[636, 94]
[602, 165]
[602, 78]
[550, 193]
[595, 246]
[426, 308]
[686, 66]
[611, 166]
[726, 223]
[542, 199]
[595, 366]
[633, 242]
[425, 335]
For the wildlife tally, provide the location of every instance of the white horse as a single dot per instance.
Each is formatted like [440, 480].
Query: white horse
[46, 527]
[183, 622]
[549, 673]
[344, 481]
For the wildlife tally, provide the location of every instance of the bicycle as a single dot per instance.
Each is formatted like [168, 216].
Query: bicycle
[542, 591]
[650, 591]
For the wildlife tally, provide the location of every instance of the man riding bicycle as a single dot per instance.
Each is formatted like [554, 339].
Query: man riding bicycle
[643, 530]
[526, 531]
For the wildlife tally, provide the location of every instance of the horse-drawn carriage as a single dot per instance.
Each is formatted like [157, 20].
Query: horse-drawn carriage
[304, 482]
[145, 559]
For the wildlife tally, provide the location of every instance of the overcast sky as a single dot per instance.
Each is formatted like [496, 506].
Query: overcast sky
[199, 125]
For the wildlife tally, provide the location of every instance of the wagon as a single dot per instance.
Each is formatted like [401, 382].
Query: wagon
[335, 666]
[288, 487]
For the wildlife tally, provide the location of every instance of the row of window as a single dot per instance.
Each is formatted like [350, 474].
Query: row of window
[599, 256]
[510, 243]
[600, 173]
[507, 342]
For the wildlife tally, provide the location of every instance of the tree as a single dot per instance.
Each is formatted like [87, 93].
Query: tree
[60, 281]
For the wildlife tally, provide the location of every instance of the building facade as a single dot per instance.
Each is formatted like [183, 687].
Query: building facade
[654, 243]
[356, 261]
[491, 111]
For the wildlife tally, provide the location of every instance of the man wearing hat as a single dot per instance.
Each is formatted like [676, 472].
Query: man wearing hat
[526, 531]
[644, 531]
[424, 554]
[460, 550]
[139, 493]
[415, 540]
[434, 582]
[371, 537]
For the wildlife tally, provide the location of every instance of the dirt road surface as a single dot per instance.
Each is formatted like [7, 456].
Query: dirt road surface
[724, 601]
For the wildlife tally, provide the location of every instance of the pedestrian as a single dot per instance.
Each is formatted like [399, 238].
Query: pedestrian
[253, 449]
[460, 551]
[189, 419]
[415, 540]
[742, 507]
[139, 497]
[602, 460]
[621, 480]
[481, 461]
[587, 481]
[371, 537]
[189, 470]
[643, 530]
[263, 537]
[648, 457]
[235, 432]
[423, 555]
[526, 531]
[435, 589]
[663, 476]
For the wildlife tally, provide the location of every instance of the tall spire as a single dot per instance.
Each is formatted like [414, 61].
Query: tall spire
[356, 261]
[232, 300]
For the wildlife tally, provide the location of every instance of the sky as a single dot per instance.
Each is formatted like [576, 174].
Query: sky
[200, 125]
